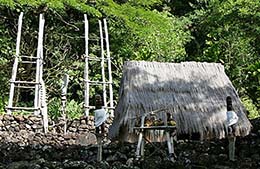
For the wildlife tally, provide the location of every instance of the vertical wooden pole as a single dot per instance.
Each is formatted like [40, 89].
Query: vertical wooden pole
[169, 138]
[38, 65]
[102, 64]
[86, 78]
[99, 129]
[231, 148]
[43, 99]
[109, 71]
[64, 100]
[15, 65]
[139, 145]
[231, 137]
[99, 155]
[43, 107]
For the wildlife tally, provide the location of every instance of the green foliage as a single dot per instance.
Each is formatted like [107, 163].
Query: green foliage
[53, 5]
[74, 109]
[251, 108]
[228, 32]
[147, 34]
[54, 106]
[154, 30]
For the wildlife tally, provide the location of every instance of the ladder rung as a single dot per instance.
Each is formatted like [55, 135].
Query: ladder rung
[25, 87]
[96, 82]
[93, 107]
[95, 58]
[24, 82]
[31, 57]
[90, 107]
[22, 108]
[28, 62]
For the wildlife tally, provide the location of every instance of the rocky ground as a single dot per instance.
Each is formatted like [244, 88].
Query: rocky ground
[35, 150]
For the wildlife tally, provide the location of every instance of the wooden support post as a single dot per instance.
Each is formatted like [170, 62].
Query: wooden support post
[39, 64]
[231, 148]
[170, 146]
[43, 106]
[86, 73]
[139, 146]
[231, 136]
[169, 138]
[99, 155]
[102, 64]
[15, 66]
[64, 100]
[99, 129]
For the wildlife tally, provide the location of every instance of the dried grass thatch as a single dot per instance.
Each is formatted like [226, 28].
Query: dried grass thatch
[194, 93]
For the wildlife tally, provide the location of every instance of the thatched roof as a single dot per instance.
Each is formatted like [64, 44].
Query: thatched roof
[194, 93]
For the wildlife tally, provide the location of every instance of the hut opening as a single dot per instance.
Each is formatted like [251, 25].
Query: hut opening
[192, 93]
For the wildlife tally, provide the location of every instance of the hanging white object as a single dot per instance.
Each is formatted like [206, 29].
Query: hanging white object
[100, 117]
[232, 118]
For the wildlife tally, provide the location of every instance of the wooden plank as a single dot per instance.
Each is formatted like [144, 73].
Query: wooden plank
[15, 65]
[111, 100]
[102, 63]
[86, 73]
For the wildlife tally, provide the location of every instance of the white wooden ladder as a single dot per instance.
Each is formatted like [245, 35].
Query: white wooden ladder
[40, 105]
[104, 59]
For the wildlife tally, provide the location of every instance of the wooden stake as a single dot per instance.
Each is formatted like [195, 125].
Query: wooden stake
[86, 78]
[64, 100]
[231, 137]
[231, 148]
[102, 64]
[39, 64]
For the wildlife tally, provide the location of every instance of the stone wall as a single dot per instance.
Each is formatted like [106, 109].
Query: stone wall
[34, 124]
[24, 145]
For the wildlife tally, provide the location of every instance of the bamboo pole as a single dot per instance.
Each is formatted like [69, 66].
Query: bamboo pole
[15, 65]
[109, 71]
[39, 63]
[86, 75]
[102, 64]
[64, 100]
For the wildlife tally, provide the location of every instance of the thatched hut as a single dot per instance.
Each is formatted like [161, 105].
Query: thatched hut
[194, 93]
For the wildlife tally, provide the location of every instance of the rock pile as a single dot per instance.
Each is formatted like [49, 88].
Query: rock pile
[24, 145]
